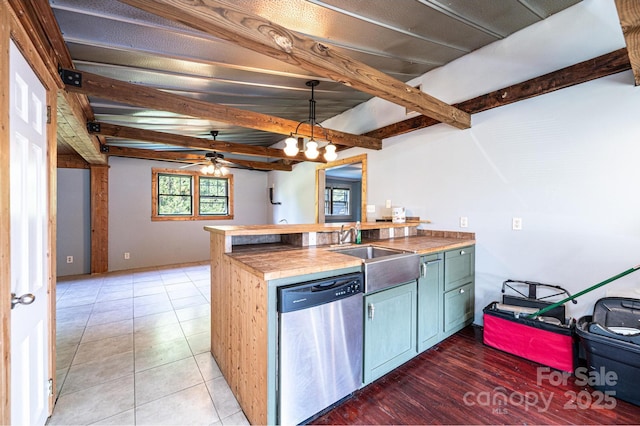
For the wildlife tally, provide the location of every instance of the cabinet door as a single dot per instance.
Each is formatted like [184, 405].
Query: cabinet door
[459, 267]
[389, 329]
[430, 286]
[458, 308]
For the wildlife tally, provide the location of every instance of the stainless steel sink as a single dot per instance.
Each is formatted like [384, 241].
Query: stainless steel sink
[384, 267]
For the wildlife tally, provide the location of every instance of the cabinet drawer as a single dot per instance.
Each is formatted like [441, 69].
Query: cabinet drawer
[458, 308]
[459, 267]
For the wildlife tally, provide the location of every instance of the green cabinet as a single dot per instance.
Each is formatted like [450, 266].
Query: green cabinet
[458, 308]
[389, 329]
[459, 279]
[445, 295]
[430, 288]
[459, 267]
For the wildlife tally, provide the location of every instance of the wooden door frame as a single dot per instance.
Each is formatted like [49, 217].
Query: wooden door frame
[11, 29]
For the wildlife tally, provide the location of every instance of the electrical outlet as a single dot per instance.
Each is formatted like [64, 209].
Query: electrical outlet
[69, 259]
[127, 256]
[516, 224]
[388, 204]
[464, 221]
[313, 238]
[371, 208]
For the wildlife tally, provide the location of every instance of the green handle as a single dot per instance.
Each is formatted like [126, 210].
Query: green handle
[607, 281]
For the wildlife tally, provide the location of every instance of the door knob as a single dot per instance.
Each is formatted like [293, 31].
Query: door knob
[25, 299]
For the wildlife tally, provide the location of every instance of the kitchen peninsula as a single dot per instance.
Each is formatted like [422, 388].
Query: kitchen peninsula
[249, 263]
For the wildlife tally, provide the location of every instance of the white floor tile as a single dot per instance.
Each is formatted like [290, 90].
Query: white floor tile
[223, 399]
[133, 348]
[94, 404]
[161, 381]
[186, 407]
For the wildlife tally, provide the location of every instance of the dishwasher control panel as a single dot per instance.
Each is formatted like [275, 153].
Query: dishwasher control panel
[313, 293]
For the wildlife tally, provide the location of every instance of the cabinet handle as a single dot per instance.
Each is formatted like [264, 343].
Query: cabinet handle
[461, 290]
[371, 310]
[425, 265]
[461, 252]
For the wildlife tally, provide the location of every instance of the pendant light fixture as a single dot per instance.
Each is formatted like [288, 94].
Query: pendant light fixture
[294, 141]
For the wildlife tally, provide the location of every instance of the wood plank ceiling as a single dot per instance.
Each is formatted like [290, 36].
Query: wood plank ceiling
[187, 67]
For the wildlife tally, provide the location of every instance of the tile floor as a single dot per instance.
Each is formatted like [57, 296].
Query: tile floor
[133, 349]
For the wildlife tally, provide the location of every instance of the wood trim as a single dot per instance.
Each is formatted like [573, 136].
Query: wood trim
[629, 14]
[148, 97]
[5, 222]
[99, 218]
[601, 66]
[362, 158]
[132, 133]
[52, 156]
[253, 32]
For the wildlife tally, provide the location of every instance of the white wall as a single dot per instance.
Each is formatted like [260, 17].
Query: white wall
[168, 242]
[74, 222]
[565, 162]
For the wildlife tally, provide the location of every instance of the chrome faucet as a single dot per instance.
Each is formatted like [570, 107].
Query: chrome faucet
[342, 235]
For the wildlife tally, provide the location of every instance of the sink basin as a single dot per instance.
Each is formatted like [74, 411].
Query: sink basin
[384, 267]
[369, 252]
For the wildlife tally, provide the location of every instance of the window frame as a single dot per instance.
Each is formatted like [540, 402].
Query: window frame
[195, 195]
[341, 185]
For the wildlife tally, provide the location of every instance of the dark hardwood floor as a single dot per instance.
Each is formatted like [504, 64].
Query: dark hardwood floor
[462, 381]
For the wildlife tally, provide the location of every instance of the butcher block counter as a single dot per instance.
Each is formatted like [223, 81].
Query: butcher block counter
[249, 262]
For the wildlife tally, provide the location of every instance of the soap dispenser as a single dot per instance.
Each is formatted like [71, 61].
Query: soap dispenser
[358, 233]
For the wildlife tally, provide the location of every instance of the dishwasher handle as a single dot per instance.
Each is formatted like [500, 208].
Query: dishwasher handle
[371, 309]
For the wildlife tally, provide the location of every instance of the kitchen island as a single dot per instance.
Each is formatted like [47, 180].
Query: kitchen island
[248, 263]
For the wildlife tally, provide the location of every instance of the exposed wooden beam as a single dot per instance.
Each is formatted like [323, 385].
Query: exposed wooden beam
[149, 154]
[601, 66]
[233, 24]
[148, 97]
[72, 130]
[39, 21]
[71, 161]
[132, 133]
[629, 14]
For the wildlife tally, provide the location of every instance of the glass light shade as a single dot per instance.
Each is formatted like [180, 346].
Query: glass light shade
[291, 146]
[330, 152]
[311, 152]
[208, 169]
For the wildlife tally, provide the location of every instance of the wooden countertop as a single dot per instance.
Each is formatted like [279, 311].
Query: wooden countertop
[273, 261]
[231, 230]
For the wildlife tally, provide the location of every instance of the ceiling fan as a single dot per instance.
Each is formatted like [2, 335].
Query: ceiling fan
[214, 164]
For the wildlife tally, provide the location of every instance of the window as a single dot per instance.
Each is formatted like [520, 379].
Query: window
[188, 195]
[337, 201]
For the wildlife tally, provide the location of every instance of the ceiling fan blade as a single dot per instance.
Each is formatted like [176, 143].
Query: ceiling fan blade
[192, 165]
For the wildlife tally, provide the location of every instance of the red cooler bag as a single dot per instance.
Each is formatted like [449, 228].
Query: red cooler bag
[546, 343]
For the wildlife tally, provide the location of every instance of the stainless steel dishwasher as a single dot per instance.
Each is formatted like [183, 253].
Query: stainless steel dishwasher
[320, 345]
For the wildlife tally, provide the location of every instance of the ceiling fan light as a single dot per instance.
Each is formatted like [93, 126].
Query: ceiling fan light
[291, 146]
[330, 152]
[210, 169]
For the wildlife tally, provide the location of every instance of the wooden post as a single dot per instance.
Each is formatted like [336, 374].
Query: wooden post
[99, 219]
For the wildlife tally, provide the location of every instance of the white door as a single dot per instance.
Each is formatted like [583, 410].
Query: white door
[29, 230]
